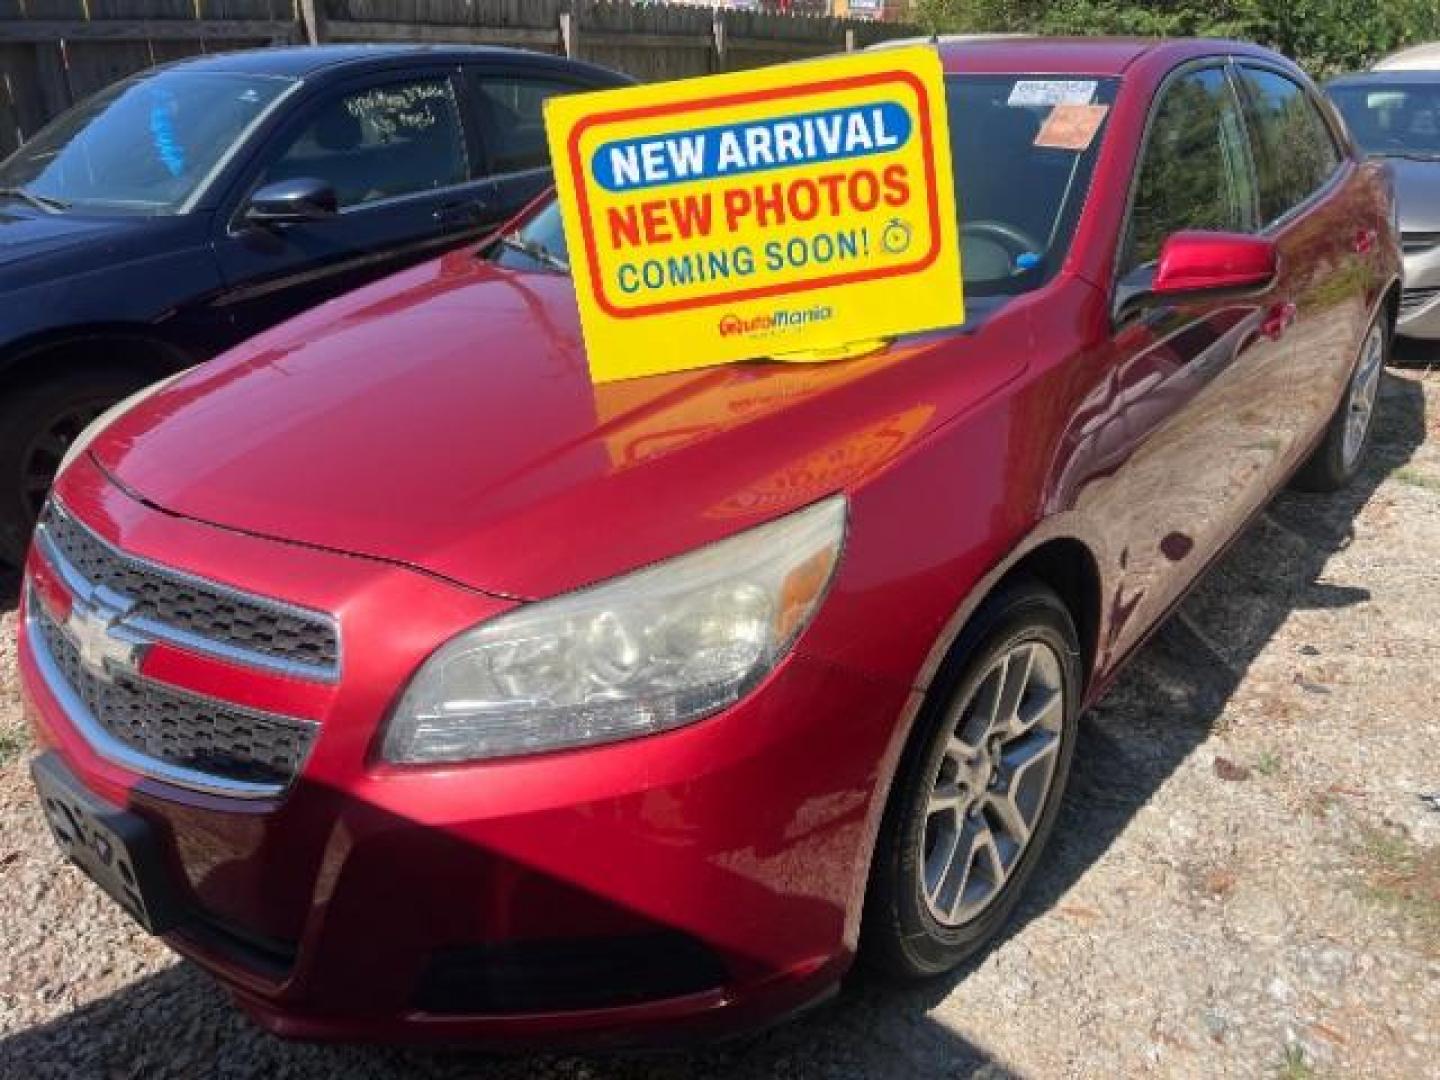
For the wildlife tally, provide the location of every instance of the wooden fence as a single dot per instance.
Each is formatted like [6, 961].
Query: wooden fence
[56, 52]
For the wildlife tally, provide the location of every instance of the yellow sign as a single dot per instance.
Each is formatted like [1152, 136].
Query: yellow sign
[784, 211]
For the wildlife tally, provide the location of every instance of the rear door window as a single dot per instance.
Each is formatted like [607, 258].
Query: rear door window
[394, 138]
[510, 112]
[1195, 173]
[1295, 153]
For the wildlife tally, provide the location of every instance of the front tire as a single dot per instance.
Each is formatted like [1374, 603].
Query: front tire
[1342, 451]
[37, 425]
[978, 789]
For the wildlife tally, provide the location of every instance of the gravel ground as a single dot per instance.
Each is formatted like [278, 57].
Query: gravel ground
[1246, 878]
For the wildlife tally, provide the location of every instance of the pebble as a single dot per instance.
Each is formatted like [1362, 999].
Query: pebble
[1280, 991]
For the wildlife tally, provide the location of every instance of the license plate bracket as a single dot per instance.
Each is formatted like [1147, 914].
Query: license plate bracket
[117, 849]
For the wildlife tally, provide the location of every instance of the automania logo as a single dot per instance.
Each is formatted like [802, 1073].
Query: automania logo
[732, 325]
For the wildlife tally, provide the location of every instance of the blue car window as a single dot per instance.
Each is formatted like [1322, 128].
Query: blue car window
[145, 145]
[380, 142]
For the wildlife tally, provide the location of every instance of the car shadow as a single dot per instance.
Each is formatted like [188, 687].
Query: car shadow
[1416, 354]
[9, 588]
[177, 1022]
[1167, 701]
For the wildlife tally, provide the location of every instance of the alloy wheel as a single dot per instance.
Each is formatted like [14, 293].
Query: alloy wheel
[41, 459]
[1360, 400]
[992, 783]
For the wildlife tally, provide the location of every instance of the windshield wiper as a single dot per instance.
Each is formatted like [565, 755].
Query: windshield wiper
[1407, 155]
[535, 250]
[40, 202]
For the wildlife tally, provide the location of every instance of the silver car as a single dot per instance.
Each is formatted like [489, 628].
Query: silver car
[1416, 58]
[1396, 115]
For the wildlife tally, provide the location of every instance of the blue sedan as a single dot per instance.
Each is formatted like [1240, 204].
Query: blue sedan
[185, 209]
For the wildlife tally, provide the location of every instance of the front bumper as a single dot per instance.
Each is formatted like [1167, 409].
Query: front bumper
[681, 886]
[1420, 298]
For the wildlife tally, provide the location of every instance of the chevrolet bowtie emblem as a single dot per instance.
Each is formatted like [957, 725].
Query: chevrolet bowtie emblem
[96, 626]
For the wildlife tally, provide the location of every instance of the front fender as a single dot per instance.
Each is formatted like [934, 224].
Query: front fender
[156, 284]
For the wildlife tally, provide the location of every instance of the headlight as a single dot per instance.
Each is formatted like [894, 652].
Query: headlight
[643, 653]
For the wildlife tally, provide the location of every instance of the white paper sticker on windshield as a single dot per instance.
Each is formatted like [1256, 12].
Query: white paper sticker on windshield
[1053, 92]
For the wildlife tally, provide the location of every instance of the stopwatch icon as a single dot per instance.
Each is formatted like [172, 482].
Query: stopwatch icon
[896, 237]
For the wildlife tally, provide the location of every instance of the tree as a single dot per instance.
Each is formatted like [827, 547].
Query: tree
[1327, 36]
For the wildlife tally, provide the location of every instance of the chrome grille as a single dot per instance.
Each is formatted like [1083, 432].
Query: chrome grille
[1412, 300]
[199, 613]
[1415, 243]
[165, 725]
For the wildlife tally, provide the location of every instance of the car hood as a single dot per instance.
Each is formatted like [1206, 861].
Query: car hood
[445, 419]
[1417, 190]
[27, 233]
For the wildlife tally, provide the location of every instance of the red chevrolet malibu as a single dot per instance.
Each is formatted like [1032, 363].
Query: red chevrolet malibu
[416, 687]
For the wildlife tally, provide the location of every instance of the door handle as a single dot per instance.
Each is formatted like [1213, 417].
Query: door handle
[1365, 241]
[1278, 320]
[472, 211]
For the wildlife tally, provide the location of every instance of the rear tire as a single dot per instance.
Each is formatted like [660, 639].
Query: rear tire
[963, 831]
[37, 425]
[1342, 451]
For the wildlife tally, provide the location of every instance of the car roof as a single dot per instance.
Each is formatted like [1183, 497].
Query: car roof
[299, 62]
[1095, 56]
[1388, 77]
[1424, 57]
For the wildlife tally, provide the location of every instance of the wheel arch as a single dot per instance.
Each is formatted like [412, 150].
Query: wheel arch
[1068, 560]
[139, 348]
[1064, 553]
[1390, 305]
[1069, 569]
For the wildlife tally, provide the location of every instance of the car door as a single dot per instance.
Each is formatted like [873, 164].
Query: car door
[395, 149]
[507, 104]
[1197, 376]
[1316, 208]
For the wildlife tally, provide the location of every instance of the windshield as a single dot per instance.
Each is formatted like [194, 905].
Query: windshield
[1392, 119]
[144, 145]
[1024, 151]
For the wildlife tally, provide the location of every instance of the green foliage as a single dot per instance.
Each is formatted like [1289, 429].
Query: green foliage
[13, 743]
[1294, 1065]
[1326, 36]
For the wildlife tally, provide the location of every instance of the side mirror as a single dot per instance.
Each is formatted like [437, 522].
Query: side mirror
[1198, 266]
[292, 202]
